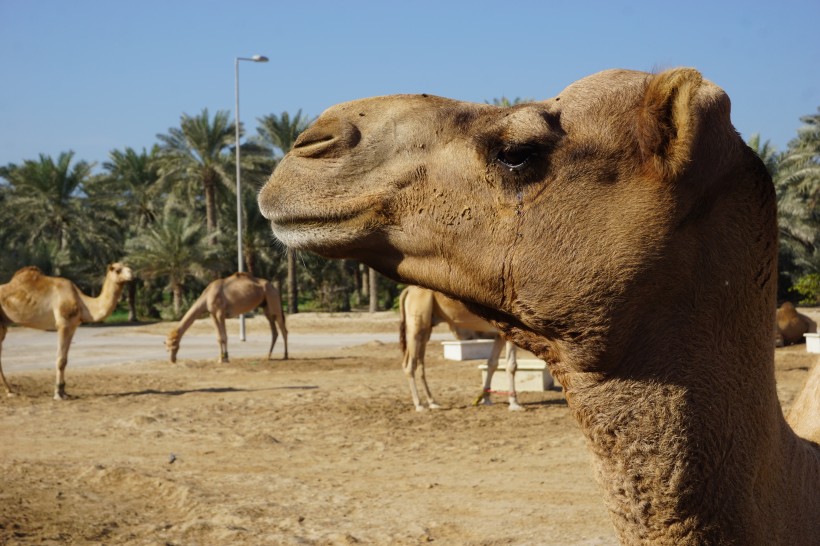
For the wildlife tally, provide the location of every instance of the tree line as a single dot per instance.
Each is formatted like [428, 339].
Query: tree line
[796, 176]
[170, 213]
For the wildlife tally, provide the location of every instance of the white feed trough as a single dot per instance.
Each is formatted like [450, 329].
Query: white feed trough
[812, 343]
[473, 349]
[531, 375]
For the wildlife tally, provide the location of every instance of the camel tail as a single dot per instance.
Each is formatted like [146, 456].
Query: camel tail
[402, 321]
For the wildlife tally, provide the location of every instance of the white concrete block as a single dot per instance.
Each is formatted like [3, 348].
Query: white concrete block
[531, 375]
[812, 343]
[472, 349]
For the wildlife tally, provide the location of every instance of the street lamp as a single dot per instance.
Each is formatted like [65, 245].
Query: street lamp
[255, 59]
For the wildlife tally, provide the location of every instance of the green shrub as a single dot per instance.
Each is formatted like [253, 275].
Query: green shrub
[808, 286]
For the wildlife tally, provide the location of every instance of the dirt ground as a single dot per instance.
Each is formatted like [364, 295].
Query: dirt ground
[322, 449]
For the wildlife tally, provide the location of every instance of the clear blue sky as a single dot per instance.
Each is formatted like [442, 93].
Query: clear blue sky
[93, 75]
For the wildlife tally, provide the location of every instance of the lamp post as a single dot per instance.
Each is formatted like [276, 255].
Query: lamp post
[255, 59]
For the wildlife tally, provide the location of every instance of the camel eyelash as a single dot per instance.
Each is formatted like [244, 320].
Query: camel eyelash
[515, 158]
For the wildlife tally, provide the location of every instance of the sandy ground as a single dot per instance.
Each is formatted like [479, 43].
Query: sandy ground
[324, 448]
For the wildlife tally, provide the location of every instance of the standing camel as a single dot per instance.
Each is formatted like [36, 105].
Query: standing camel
[228, 298]
[38, 301]
[420, 310]
[623, 232]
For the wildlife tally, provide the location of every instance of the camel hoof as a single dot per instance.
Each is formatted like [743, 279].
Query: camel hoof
[420, 409]
[517, 407]
[60, 397]
[11, 394]
[433, 405]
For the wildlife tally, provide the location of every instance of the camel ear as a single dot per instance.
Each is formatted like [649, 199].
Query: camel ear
[675, 108]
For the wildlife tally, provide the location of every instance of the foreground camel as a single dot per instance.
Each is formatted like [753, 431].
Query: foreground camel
[420, 310]
[38, 301]
[791, 325]
[228, 298]
[658, 225]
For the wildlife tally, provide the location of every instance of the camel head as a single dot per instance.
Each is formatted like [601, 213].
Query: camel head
[567, 222]
[119, 273]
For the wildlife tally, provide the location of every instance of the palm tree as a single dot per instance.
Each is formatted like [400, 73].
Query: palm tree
[174, 250]
[52, 216]
[504, 102]
[133, 185]
[197, 154]
[766, 152]
[279, 133]
[797, 183]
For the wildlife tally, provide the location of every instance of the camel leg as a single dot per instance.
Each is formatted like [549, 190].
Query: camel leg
[284, 330]
[409, 366]
[221, 336]
[512, 366]
[492, 365]
[414, 358]
[273, 334]
[277, 318]
[64, 335]
[430, 402]
[3, 330]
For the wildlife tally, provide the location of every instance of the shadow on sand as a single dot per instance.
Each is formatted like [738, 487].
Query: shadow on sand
[209, 390]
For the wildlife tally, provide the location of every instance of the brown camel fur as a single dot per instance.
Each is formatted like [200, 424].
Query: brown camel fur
[791, 325]
[38, 301]
[228, 298]
[420, 310]
[623, 232]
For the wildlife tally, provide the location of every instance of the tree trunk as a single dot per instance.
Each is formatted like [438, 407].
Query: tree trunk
[357, 284]
[364, 286]
[293, 289]
[374, 290]
[176, 291]
[210, 207]
[249, 254]
[132, 301]
[347, 285]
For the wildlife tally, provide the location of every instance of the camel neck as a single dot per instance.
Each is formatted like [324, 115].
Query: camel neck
[680, 465]
[97, 309]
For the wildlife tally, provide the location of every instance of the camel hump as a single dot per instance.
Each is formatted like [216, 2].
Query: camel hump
[29, 271]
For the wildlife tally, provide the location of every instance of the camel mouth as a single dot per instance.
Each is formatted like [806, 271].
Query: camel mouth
[317, 232]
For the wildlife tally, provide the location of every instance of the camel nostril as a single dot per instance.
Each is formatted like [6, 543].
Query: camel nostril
[311, 137]
[328, 137]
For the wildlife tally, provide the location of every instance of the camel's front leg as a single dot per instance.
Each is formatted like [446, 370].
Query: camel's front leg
[512, 366]
[3, 330]
[492, 365]
[221, 337]
[64, 335]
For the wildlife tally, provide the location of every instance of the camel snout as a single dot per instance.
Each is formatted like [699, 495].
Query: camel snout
[329, 137]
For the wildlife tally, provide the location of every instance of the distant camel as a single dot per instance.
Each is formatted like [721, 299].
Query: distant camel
[38, 301]
[622, 231]
[420, 310]
[227, 298]
[791, 325]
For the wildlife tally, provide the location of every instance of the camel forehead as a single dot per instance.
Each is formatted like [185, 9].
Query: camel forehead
[603, 82]
[433, 115]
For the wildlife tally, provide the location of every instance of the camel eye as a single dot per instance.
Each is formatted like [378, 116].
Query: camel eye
[514, 157]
